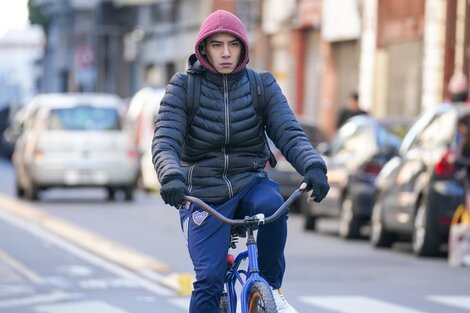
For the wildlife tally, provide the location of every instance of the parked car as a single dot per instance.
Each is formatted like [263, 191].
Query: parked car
[141, 115]
[354, 158]
[5, 121]
[285, 174]
[417, 192]
[71, 140]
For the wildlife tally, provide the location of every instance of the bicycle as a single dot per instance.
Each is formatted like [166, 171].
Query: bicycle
[256, 295]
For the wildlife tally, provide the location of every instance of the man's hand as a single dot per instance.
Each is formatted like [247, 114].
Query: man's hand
[317, 182]
[173, 192]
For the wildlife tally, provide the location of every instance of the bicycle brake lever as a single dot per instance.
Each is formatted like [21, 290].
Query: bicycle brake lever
[260, 218]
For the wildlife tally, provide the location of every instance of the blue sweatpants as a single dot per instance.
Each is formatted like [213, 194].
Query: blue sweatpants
[208, 241]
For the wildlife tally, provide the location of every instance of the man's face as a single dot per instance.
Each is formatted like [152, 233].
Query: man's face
[223, 52]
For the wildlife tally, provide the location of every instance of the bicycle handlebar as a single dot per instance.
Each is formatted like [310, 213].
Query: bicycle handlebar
[256, 219]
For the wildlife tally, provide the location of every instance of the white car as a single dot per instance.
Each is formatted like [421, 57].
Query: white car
[73, 140]
[143, 110]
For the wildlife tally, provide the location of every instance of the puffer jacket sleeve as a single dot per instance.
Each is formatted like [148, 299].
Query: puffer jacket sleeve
[284, 130]
[170, 130]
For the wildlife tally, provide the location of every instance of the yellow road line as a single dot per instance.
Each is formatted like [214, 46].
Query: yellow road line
[21, 268]
[86, 239]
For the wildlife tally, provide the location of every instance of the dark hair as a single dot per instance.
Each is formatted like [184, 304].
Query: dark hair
[354, 95]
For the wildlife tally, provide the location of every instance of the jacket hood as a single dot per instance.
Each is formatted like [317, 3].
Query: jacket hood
[222, 21]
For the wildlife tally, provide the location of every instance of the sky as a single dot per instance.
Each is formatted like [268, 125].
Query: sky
[13, 15]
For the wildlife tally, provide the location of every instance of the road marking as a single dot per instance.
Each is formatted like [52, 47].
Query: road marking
[455, 301]
[80, 307]
[85, 255]
[21, 268]
[34, 300]
[356, 304]
[182, 283]
[180, 302]
[86, 239]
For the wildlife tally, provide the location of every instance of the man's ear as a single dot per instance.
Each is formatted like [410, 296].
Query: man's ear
[203, 50]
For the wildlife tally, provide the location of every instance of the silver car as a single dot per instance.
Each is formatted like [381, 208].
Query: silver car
[143, 110]
[75, 140]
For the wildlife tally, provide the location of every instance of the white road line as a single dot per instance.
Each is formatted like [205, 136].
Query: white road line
[80, 307]
[455, 301]
[85, 255]
[355, 304]
[34, 300]
[19, 267]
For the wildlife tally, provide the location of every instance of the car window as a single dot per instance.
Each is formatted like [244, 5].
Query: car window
[354, 138]
[387, 139]
[439, 132]
[84, 117]
[409, 141]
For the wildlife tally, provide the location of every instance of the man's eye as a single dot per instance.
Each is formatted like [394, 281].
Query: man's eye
[235, 44]
[216, 45]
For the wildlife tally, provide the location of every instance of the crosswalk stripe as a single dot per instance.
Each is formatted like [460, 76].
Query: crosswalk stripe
[80, 307]
[355, 304]
[455, 301]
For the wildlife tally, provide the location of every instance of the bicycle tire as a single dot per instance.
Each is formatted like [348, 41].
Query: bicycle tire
[260, 299]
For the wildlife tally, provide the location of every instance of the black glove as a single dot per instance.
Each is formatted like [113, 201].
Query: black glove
[317, 182]
[173, 192]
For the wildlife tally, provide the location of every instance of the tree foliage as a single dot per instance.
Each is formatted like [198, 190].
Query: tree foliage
[37, 15]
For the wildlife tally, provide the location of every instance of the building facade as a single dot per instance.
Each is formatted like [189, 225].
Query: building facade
[398, 54]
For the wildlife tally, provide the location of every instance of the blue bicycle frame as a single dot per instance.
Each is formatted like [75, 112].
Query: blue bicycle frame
[235, 275]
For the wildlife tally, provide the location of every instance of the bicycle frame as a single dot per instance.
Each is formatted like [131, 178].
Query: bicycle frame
[235, 274]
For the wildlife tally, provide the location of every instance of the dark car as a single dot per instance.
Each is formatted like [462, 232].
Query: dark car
[354, 158]
[417, 192]
[285, 175]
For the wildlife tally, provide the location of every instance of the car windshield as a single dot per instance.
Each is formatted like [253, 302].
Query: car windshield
[84, 117]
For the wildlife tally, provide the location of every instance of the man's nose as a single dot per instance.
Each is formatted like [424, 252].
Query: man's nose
[226, 52]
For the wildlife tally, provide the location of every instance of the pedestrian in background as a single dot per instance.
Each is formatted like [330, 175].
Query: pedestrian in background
[352, 109]
[219, 155]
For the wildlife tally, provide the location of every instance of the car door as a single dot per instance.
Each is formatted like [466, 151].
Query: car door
[396, 180]
[354, 143]
[416, 166]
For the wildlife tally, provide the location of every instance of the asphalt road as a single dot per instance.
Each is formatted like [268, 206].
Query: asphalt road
[74, 252]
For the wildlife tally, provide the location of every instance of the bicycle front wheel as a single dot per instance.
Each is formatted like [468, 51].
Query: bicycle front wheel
[260, 299]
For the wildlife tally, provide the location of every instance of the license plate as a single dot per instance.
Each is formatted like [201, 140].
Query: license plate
[85, 177]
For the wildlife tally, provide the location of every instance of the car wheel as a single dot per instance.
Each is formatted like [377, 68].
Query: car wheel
[379, 236]
[111, 194]
[129, 193]
[32, 193]
[20, 192]
[349, 226]
[310, 222]
[424, 242]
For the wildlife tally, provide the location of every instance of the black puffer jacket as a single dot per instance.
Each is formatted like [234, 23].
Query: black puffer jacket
[223, 149]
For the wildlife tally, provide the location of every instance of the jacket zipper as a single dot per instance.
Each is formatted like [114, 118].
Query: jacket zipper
[227, 139]
[190, 176]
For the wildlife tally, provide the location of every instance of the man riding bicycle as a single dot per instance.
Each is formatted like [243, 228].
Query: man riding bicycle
[218, 153]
